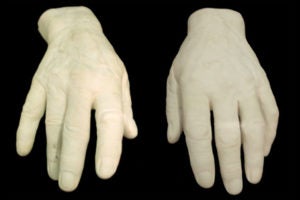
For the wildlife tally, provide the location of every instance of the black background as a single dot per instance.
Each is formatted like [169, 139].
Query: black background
[147, 38]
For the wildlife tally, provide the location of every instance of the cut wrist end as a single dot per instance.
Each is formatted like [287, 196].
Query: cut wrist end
[55, 20]
[215, 17]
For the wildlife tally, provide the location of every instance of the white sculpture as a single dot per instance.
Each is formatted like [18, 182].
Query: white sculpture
[216, 70]
[79, 72]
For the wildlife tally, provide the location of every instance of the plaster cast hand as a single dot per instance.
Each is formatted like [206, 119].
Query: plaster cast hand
[79, 72]
[216, 70]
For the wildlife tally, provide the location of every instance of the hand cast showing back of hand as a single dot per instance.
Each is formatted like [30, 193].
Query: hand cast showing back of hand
[214, 70]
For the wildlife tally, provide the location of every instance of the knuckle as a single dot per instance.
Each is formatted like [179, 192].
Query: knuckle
[228, 137]
[53, 121]
[28, 112]
[32, 110]
[275, 114]
[172, 107]
[231, 170]
[257, 126]
[75, 132]
[198, 132]
[71, 128]
[110, 116]
[228, 142]
[171, 85]
[169, 81]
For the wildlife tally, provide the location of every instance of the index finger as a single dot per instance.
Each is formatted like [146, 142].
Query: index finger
[32, 113]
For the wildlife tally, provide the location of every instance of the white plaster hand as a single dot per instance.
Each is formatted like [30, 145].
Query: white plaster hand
[79, 72]
[216, 70]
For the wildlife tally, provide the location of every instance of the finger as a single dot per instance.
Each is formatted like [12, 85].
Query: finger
[271, 115]
[110, 131]
[32, 113]
[197, 130]
[130, 126]
[228, 143]
[74, 139]
[56, 106]
[173, 110]
[253, 129]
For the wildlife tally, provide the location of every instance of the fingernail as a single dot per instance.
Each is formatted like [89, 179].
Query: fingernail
[106, 168]
[235, 186]
[255, 175]
[205, 179]
[67, 181]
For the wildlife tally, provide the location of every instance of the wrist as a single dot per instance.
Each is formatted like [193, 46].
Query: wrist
[54, 22]
[216, 22]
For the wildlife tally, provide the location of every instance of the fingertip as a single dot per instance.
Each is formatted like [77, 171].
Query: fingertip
[106, 168]
[131, 130]
[23, 148]
[172, 140]
[68, 181]
[52, 169]
[25, 137]
[234, 187]
[205, 179]
[22, 153]
[53, 176]
[254, 175]
[171, 136]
